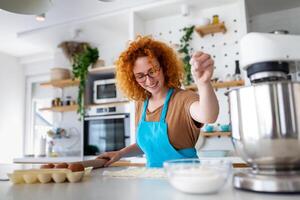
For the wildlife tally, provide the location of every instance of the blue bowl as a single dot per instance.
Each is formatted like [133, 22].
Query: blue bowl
[208, 128]
[225, 128]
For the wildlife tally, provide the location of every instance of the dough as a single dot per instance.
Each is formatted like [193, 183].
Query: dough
[137, 172]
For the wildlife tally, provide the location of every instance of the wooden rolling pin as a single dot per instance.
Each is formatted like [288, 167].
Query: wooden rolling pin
[95, 163]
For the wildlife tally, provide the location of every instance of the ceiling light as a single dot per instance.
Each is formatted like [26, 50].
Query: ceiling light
[41, 17]
[26, 7]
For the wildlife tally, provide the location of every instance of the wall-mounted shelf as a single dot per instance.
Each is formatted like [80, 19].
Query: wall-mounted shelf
[102, 70]
[215, 134]
[61, 83]
[211, 28]
[218, 85]
[61, 108]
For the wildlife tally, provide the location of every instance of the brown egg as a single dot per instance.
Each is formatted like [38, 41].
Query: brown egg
[51, 165]
[61, 165]
[47, 166]
[76, 167]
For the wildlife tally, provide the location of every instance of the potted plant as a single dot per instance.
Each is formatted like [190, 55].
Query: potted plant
[185, 52]
[81, 62]
[81, 55]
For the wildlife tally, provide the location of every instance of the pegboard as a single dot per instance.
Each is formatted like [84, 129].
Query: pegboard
[224, 48]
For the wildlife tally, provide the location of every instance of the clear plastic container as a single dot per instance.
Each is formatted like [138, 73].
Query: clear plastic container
[198, 176]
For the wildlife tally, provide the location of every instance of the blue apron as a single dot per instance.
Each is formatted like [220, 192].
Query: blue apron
[152, 138]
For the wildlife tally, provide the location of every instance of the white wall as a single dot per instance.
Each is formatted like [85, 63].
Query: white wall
[12, 89]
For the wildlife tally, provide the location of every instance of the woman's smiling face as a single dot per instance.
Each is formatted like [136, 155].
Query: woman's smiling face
[149, 74]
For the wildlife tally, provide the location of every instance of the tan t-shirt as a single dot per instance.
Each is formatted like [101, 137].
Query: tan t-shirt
[183, 131]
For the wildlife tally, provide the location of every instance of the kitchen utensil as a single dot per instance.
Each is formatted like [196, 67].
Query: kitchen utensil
[265, 116]
[265, 122]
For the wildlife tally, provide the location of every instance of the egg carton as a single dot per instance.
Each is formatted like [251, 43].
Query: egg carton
[31, 176]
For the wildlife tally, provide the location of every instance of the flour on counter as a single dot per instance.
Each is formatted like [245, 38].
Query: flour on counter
[137, 172]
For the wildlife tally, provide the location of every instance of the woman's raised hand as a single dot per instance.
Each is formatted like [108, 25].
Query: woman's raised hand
[202, 67]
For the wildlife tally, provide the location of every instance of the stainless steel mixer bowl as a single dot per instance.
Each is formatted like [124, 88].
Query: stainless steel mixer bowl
[265, 121]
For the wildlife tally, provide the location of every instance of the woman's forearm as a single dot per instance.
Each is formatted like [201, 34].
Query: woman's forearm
[206, 110]
[131, 150]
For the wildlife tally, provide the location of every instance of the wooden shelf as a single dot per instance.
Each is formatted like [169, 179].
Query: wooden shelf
[211, 28]
[61, 83]
[228, 84]
[215, 134]
[102, 70]
[61, 108]
[218, 85]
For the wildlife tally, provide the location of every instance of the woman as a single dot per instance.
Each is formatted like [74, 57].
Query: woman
[168, 119]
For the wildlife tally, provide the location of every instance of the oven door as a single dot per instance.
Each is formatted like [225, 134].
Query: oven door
[106, 133]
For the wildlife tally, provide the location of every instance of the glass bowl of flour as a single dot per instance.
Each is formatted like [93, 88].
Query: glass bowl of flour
[198, 176]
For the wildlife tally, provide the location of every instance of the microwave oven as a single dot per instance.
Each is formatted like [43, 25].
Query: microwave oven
[105, 91]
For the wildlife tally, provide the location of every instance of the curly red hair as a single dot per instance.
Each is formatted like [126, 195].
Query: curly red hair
[169, 62]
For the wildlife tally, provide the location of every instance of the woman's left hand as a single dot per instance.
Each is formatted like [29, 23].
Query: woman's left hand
[202, 67]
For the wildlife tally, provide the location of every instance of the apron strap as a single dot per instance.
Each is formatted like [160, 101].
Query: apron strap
[145, 110]
[166, 104]
[164, 110]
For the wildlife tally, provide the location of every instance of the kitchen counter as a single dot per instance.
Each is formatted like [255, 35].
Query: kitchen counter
[99, 187]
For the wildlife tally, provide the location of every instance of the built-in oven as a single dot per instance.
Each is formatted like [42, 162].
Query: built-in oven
[106, 128]
[105, 91]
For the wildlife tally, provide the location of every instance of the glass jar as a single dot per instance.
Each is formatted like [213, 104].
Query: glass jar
[68, 100]
[215, 19]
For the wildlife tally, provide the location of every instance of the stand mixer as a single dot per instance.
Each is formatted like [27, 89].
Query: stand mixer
[265, 116]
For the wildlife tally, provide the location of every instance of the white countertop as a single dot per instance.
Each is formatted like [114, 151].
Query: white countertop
[99, 187]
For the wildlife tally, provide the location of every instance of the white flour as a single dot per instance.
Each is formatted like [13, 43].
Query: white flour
[137, 172]
[198, 180]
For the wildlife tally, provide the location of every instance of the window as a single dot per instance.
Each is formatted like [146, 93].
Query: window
[37, 121]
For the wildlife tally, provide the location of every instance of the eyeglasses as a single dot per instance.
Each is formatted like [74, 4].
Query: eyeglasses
[152, 73]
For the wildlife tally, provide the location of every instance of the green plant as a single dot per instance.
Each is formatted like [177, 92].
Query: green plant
[81, 62]
[185, 51]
